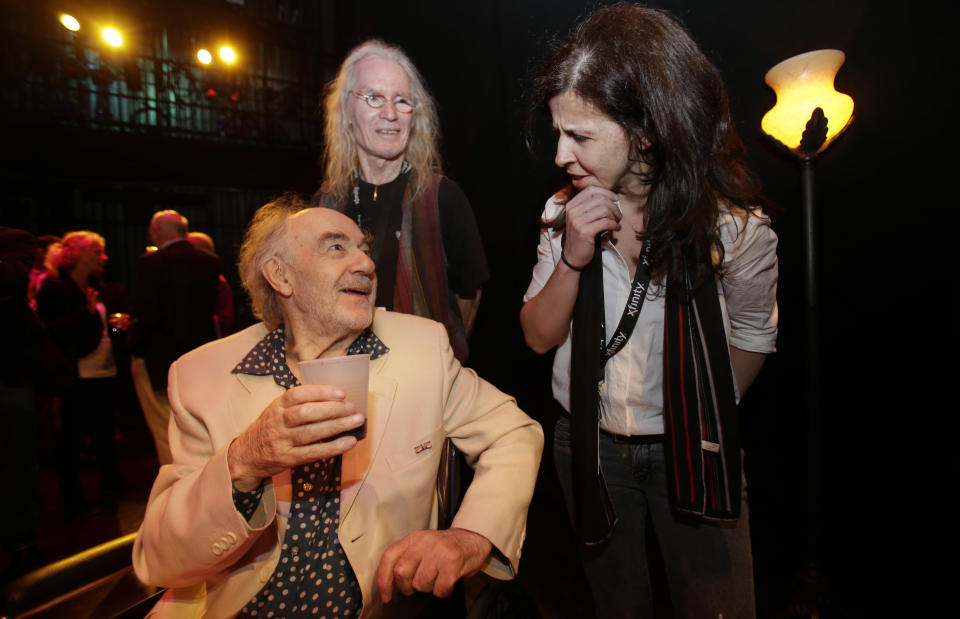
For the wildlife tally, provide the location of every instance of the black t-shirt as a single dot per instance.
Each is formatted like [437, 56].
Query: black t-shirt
[382, 217]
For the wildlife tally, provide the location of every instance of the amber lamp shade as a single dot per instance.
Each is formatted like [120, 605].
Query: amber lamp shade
[803, 84]
[808, 116]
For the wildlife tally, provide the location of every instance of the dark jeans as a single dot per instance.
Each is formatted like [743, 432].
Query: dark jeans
[19, 469]
[88, 409]
[709, 567]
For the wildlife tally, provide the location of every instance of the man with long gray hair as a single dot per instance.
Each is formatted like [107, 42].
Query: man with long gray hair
[382, 169]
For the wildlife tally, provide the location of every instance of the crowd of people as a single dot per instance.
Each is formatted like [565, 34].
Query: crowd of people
[655, 283]
[77, 336]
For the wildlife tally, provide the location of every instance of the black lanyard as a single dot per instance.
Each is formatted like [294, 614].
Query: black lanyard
[638, 292]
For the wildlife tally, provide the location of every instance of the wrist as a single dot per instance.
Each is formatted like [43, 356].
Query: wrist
[247, 484]
[563, 258]
[242, 478]
[479, 542]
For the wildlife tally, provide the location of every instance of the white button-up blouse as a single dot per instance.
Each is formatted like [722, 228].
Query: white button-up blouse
[631, 394]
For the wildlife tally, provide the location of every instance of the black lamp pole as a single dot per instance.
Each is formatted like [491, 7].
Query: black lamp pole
[812, 374]
[809, 582]
[814, 137]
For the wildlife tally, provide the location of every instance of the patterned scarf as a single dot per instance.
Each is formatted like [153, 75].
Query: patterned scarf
[421, 286]
[700, 417]
[700, 414]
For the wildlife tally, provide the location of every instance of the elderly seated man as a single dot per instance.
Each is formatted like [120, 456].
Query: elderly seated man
[269, 506]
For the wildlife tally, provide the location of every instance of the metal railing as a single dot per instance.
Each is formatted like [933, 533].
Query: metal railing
[156, 91]
[51, 590]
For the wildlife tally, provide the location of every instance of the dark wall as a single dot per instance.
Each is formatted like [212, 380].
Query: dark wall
[881, 227]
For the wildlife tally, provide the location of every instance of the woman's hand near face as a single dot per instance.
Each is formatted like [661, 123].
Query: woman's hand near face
[591, 212]
[546, 317]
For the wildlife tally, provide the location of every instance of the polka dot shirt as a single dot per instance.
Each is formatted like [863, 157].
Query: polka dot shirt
[313, 577]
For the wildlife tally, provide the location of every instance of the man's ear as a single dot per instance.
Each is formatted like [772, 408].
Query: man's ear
[274, 270]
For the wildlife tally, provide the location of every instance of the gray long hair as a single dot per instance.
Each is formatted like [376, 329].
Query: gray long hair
[342, 168]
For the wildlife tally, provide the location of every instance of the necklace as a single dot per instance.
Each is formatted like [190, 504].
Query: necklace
[376, 192]
[356, 202]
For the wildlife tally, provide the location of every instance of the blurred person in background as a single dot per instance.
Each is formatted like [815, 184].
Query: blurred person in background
[70, 306]
[224, 315]
[46, 248]
[174, 299]
[23, 370]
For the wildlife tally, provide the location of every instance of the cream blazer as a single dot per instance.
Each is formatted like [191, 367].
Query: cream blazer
[213, 561]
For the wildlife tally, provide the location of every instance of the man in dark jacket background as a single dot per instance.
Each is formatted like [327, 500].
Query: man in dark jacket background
[174, 303]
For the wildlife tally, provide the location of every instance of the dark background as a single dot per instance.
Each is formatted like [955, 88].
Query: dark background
[887, 301]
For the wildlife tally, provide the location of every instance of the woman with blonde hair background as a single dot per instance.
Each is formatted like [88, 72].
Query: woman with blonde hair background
[70, 305]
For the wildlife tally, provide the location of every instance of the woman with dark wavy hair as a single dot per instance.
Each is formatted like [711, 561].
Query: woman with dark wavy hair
[656, 279]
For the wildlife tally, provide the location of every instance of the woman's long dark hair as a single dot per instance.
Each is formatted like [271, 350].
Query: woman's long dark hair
[642, 69]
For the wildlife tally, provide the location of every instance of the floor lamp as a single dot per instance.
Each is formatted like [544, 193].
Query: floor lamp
[808, 116]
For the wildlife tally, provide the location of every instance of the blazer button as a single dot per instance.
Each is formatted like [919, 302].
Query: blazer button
[307, 487]
[216, 549]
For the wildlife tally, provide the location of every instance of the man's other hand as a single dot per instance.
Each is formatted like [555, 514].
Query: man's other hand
[291, 431]
[431, 562]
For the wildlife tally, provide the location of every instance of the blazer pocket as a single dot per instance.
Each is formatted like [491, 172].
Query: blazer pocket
[425, 448]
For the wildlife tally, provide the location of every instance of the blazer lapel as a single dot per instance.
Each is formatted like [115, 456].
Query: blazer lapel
[258, 393]
[356, 462]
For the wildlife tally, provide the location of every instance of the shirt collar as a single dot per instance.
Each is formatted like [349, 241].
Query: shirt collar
[170, 242]
[269, 355]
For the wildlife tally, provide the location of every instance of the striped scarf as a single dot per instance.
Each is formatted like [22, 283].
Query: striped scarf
[700, 418]
[702, 447]
[421, 284]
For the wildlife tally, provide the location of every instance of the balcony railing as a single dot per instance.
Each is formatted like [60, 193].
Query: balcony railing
[156, 91]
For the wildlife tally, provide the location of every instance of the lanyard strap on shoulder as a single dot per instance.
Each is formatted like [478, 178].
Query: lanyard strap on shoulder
[638, 292]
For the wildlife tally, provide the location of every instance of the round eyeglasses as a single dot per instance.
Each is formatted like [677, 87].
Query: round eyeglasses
[401, 104]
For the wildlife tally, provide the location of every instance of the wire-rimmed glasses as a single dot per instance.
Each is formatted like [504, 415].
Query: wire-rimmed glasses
[374, 100]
